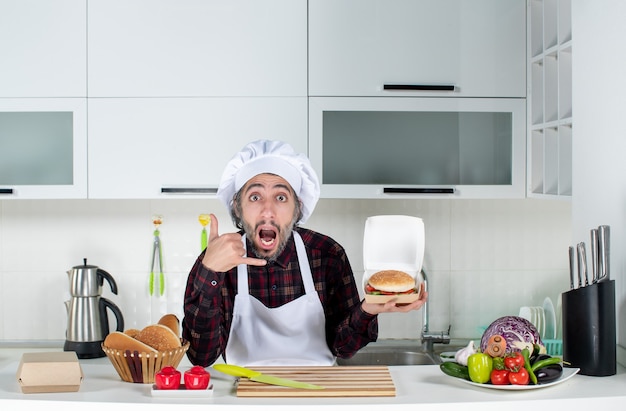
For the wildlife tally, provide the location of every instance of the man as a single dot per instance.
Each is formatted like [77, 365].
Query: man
[275, 293]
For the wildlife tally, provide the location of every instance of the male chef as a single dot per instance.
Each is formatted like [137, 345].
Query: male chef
[275, 293]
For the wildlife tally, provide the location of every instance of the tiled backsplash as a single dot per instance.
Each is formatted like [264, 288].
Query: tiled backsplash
[484, 258]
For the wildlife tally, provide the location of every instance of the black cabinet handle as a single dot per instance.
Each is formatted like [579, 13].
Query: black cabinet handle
[433, 190]
[6, 191]
[420, 87]
[188, 190]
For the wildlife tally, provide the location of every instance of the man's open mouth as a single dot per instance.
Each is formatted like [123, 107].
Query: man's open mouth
[267, 238]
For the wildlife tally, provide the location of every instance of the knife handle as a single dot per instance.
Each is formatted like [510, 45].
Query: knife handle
[594, 255]
[582, 263]
[572, 264]
[603, 252]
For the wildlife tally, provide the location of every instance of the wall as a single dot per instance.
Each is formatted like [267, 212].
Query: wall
[484, 258]
[599, 86]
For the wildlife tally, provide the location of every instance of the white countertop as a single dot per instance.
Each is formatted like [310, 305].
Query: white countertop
[425, 385]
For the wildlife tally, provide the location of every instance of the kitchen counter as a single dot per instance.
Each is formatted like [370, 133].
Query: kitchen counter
[425, 385]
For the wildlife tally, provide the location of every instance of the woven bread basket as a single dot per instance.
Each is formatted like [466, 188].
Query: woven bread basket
[140, 367]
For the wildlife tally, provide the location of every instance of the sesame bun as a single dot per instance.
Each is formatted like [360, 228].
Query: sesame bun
[171, 321]
[120, 341]
[131, 332]
[392, 281]
[159, 336]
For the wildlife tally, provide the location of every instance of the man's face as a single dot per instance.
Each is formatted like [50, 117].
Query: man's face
[268, 208]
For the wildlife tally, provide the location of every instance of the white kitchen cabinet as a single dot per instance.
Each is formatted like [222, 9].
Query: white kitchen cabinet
[43, 48]
[371, 147]
[43, 148]
[197, 48]
[477, 47]
[550, 120]
[146, 148]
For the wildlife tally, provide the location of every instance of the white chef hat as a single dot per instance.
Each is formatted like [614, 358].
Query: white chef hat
[275, 157]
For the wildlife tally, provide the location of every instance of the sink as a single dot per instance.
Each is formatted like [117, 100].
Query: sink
[399, 352]
[390, 357]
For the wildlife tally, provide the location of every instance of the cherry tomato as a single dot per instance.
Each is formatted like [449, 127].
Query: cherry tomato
[520, 377]
[514, 361]
[500, 377]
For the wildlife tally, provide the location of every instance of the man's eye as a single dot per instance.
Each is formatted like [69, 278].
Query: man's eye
[254, 197]
[281, 198]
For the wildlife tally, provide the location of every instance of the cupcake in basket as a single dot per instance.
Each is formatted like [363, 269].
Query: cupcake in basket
[138, 355]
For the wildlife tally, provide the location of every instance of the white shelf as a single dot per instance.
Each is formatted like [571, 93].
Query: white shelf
[550, 99]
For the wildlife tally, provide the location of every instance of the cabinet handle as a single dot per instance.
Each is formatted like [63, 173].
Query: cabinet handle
[420, 87]
[6, 191]
[433, 190]
[188, 190]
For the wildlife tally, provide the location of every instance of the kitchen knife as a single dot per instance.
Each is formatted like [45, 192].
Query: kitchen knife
[572, 264]
[604, 233]
[252, 375]
[594, 256]
[582, 264]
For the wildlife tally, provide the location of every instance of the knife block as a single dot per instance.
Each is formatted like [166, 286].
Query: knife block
[589, 335]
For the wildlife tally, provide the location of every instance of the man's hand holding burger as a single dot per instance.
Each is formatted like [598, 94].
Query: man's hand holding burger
[384, 289]
[392, 306]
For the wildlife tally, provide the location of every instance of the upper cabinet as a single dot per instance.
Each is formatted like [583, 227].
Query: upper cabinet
[43, 48]
[43, 148]
[43, 105]
[178, 147]
[197, 48]
[438, 48]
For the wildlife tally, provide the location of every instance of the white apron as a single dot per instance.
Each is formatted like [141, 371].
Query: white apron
[292, 334]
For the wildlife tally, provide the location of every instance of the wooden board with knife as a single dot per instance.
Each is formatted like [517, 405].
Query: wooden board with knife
[339, 381]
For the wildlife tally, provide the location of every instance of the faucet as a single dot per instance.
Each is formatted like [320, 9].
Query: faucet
[429, 338]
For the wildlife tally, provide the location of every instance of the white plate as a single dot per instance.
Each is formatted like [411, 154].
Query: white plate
[182, 392]
[548, 308]
[447, 356]
[567, 374]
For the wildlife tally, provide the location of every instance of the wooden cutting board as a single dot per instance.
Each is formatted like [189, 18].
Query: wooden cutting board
[340, 381]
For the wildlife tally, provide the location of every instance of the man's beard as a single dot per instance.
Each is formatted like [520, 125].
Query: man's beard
[283, 239]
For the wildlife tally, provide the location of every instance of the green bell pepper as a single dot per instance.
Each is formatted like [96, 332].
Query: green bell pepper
[479, 366]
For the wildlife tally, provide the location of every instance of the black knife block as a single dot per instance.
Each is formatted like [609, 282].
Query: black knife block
[589, 336]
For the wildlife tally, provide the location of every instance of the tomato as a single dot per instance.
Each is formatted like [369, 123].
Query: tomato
[500, 377]
[479, 366]
[168, 378]
[514, 361]
[520, 377]
[197, 378]
[371, 290]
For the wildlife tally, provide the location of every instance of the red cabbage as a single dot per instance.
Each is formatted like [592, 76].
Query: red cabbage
[515, 330]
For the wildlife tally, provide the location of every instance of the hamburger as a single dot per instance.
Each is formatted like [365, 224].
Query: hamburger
[390, 282]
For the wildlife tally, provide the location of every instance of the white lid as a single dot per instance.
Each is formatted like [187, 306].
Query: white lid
[393, 242]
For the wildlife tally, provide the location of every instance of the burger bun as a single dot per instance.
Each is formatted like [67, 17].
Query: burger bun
[392, 281]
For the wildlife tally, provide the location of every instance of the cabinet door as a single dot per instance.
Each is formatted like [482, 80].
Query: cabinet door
[43, 148]
[358, 46]
[182, 48]
[155, 148]
[43, 48]
[418, 147]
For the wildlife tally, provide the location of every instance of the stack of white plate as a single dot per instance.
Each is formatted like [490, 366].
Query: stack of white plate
[535, 315]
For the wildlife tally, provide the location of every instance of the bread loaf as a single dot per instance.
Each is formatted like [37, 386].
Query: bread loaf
[120, 341]
[171, 321]
[159, 336]
[131, 332]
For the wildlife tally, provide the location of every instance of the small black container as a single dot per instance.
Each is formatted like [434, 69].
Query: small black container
[589, 336]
